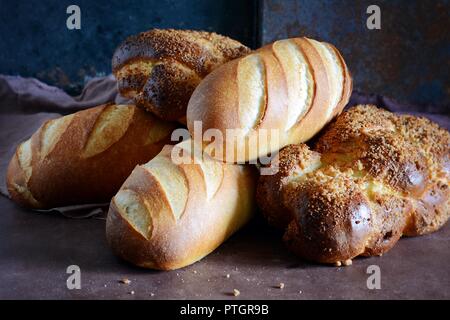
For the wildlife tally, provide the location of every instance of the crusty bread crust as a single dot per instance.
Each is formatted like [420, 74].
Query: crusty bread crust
[290, 161]
[318, 115]
[160, 68]
[84, 157]
[149, 227]
[220, 100]
[373, 176]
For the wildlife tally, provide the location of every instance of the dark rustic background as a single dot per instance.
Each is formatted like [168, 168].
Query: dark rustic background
[36, 42]
[407, 59]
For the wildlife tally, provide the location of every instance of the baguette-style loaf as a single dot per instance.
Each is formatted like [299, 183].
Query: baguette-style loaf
[290, 88]
[373, 176]
[160, 69]
[84, 157]
[168, 214]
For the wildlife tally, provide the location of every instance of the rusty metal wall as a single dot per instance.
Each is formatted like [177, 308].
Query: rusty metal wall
[34, 39]
[408, 59]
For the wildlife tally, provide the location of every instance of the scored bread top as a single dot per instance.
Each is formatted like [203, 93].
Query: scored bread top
[84, 157]
[179, 207]
[171, 180]
[294, 86]
[300, 84]
[160, 68]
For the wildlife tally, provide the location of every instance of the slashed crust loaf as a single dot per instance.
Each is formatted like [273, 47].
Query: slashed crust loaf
[160, 68]
[84, 157]
[371, 177]
[283, 93]
[170, 213]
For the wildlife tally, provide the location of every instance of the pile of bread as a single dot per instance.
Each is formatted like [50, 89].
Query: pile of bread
[367, 178]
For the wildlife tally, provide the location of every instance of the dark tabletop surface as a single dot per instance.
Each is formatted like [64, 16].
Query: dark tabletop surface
[36, 249]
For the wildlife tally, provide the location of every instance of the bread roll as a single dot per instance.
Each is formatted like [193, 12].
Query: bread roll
[168, 214]
[286, 91]
[372, 177]
[84, 157]
[160, 69]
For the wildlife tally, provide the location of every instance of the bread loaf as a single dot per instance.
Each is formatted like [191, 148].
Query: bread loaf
[372, 177]
[84, 157]
[287, 91]
[160, 69]
[168, 214]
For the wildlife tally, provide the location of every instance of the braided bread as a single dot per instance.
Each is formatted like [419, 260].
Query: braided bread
[160, 69]
[280, 94]
[84, 157]
[372, 177]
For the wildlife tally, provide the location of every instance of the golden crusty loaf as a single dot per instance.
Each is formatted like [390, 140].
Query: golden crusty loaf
[168, 214]
[160, 69]
[372, 177]
[290, 88]
[84, 157]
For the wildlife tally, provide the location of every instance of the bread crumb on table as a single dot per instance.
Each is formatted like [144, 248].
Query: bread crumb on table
[236, 292]
[228, 275]
[346, 263]
[132, 292]
[281, 285]
[125, 281]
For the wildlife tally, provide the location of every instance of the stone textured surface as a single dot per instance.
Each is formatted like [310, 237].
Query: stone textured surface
[407, 59]
[36, 249]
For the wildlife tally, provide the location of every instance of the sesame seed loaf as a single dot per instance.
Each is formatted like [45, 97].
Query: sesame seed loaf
[160, 68]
